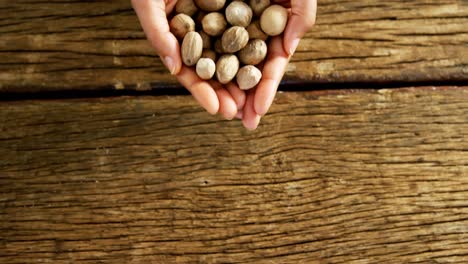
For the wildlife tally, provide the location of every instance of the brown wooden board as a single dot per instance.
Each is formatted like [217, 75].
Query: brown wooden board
[56, 45]
[358, 176]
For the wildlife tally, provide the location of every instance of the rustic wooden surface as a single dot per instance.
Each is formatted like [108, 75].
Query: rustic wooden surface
[358, 176]
[56, 45]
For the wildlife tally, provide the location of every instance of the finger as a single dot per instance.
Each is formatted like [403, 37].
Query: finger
[250, 119]
[237, 94]
[153, 19]
[240, 114]
[273, 71]
[302, 19]
[202, 91]
[227, 105]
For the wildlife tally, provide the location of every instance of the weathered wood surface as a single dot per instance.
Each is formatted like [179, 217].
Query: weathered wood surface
[343, 177]
[52, 45]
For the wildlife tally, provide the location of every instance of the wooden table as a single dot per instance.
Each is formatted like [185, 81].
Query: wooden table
[363, 158]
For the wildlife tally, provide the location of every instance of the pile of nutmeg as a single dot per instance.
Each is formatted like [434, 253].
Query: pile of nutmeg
[226, 39]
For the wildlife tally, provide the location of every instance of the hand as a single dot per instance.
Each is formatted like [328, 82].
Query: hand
[211, 95]
[280, 50]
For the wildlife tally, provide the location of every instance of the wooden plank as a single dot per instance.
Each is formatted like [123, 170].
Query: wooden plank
[56, 45]
[331, 177]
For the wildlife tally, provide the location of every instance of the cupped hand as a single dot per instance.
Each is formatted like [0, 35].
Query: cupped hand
[210, 94]
[280, 50]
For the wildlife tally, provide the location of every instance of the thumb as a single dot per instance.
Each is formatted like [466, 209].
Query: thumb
[153, 20]
[302, 19]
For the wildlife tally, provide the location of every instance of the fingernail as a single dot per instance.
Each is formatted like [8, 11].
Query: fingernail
[251, 125]
[170, 65]
[294, 45]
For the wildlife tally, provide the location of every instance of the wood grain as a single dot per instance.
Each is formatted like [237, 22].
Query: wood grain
[56, 45]
[337, 177]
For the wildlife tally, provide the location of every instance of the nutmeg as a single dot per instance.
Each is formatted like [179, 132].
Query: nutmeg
[214, 24]
[218, 47]
[254, 53]
[239, 14]
[226, 68]
[248, 77]
[258, 6]
[234, 39]
[207, 53]
[273, 20]
[187, 7]
[181, 24]
[255, 31]
[206, 68]
[210, 5]
[206, 40]
[192, 48]
[199, 17]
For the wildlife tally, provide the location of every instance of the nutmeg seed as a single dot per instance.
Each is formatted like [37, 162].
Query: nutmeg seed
[214, 24]
[234, 39]
[226, 68]
[255, 31]
[210, 5]
[248, 77]
[192, 48]
[239, 14]
[207, 53]
[187, 7]
[273, 20]
[218, 47]
[206, 68]
[254, 53]
[181, 24]
[206, 40]
[258, 6]
[199, 17]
